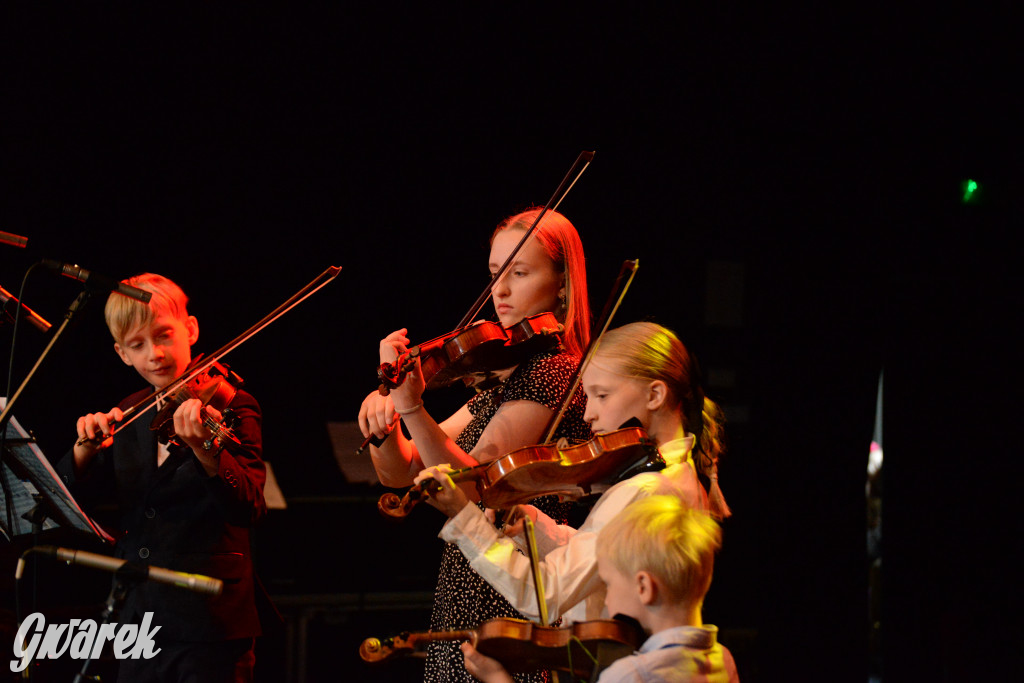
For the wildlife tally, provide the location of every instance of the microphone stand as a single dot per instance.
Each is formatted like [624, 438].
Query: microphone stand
[125, 577]
[5, 416]
[76, 305]
[38, 518]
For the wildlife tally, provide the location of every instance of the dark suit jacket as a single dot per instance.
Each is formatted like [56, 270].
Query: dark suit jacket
[176, 517]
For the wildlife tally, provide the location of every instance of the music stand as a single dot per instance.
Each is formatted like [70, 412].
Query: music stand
[39, 499]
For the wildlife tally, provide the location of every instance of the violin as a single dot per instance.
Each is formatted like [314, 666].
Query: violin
[527, 473]
[523, 646]
[216, 386]
[474, 352]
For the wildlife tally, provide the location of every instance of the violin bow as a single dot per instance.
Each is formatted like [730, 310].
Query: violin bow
[581, 163]
[145, 404]
[611, 306]
[538, 580]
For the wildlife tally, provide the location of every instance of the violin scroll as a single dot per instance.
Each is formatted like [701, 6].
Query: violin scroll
[373, 650]
[390, 505]
[376, 650]
[391, 375]
[369, 649]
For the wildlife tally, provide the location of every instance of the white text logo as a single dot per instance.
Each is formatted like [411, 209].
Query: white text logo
[81, 639]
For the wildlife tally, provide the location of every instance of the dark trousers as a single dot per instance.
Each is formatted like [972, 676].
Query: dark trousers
[225, 661]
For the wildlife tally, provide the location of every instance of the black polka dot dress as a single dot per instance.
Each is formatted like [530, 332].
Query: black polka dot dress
[463, 599]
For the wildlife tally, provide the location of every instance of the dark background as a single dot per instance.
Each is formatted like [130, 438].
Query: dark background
[819, 156]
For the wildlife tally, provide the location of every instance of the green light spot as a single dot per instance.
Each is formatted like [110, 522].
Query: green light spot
[970, 187]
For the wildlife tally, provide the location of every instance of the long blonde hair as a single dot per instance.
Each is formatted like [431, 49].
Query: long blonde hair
[663, 536]
[562, 244]
[648, 351]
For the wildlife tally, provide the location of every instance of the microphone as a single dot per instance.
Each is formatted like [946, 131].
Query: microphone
[13, 240]
[192, 582]
[98, 281]
[29, 315]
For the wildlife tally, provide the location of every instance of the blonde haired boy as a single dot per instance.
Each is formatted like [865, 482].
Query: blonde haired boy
[187, 506]
[656, 559]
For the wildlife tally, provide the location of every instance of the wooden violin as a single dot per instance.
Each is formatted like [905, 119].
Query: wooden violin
[527, 473]
[474, 352]
[523, 646]
[215, 387]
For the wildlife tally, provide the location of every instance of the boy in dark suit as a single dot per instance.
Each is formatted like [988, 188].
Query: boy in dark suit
[186, 506]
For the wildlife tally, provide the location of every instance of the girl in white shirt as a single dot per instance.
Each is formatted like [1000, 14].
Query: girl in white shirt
[641, 371]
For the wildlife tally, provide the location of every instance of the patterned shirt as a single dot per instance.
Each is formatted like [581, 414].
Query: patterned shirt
[463, 599]
[684, 654]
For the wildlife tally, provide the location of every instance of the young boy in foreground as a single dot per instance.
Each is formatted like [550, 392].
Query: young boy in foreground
[656, 559]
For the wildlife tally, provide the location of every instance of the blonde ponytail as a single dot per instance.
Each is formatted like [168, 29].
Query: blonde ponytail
[710, 445]
[649, 351]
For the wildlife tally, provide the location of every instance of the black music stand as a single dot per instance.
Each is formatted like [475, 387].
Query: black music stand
[39, 500]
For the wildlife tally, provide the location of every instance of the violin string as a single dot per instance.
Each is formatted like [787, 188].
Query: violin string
[218, 428]
[576, 639]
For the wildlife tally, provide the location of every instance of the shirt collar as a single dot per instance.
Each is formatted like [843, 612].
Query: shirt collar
[697, 637]
[677, 451]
